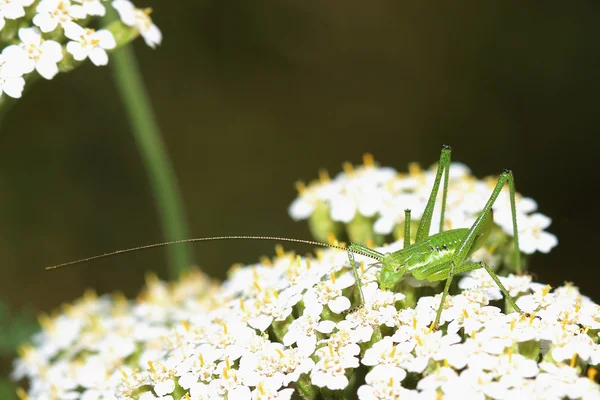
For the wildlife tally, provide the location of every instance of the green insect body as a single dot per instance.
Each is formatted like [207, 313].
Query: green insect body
[445, 254]
[429, 259]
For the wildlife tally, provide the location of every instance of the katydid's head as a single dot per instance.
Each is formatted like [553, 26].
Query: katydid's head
[392, 270]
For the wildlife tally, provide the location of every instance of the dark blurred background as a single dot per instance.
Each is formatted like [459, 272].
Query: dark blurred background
[252, 96]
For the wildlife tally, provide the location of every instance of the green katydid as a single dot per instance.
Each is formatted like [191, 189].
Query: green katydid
[433, 258]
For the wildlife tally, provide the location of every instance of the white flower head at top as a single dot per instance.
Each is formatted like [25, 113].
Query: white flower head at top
[42, 55]
[89, 43]
[532, 236]
[12, 9]
[51, 13]
[12, 62]
[132, 16]
[92, 7]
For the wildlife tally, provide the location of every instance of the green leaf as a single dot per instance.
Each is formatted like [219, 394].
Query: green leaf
[15, 329]
[7, 390]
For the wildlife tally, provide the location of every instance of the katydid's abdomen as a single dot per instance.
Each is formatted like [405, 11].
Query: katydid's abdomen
[430, 258]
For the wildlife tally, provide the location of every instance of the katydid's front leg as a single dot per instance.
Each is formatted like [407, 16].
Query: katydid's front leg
[456, 264]
[442, 168]
[359, 249]
[406, 228]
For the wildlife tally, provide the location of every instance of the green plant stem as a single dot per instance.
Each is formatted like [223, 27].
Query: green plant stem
[152, 150]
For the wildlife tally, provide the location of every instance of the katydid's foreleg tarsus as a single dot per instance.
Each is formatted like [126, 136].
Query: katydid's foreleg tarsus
[406, 228]
[442, 168]
[358, 283]
[367, 252]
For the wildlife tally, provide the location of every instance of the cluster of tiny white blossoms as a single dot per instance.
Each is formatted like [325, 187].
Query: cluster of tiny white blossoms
[38, 34]
[287, 326]
[293, 326]
[381, 194]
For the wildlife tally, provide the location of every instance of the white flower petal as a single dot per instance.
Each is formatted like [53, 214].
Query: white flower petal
[77, 51]
[30, 36]
[51, 51]
[339, 304]
[45, 22]
[13, 87]
[99, 56]
[106, 38]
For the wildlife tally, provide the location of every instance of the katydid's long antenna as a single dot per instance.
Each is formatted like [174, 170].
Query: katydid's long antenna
[204, 239]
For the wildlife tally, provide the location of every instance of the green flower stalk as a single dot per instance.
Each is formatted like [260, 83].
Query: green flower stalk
[152, 149]
[41, 38]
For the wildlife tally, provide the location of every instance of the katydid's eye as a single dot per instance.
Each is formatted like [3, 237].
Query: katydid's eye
[397, 269]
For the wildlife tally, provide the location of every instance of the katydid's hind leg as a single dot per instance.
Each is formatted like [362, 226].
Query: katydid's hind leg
[407, 222]
[438, 315]
[483, 219]
[358, 283]
[473, 266]
[513, 210]
[442, 168]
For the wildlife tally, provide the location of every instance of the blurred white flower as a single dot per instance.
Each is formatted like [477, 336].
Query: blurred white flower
[384, 382]
[12, 9]
[89, 43]
[532, 236]
[132, 16]
[51, 13]
[13, 62]
[43, 55]
[92, 7]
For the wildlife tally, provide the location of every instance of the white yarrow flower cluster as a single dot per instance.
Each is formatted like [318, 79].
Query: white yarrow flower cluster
[294, 325]
[381, 195]
[194, 340]
[59, 29]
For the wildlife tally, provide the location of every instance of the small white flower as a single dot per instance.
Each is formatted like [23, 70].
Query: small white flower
[164, 387]
[590, 315]
[229, 384]
[516, 284]
[132, 16]
[385, 352]
[480, 280]
[565, 345]
[302, 331]
[11, 9]
[438, 379]
[558, 379]
[43, 55]
[89, 43]
[385, 382]
[329, 292]
[540, 299]
[51, 13]
[586, 389]
[330, 370]
[294, 363]
[12, 62]
[92, 7]
[201, 366]
[268, 390]
[532, 236]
